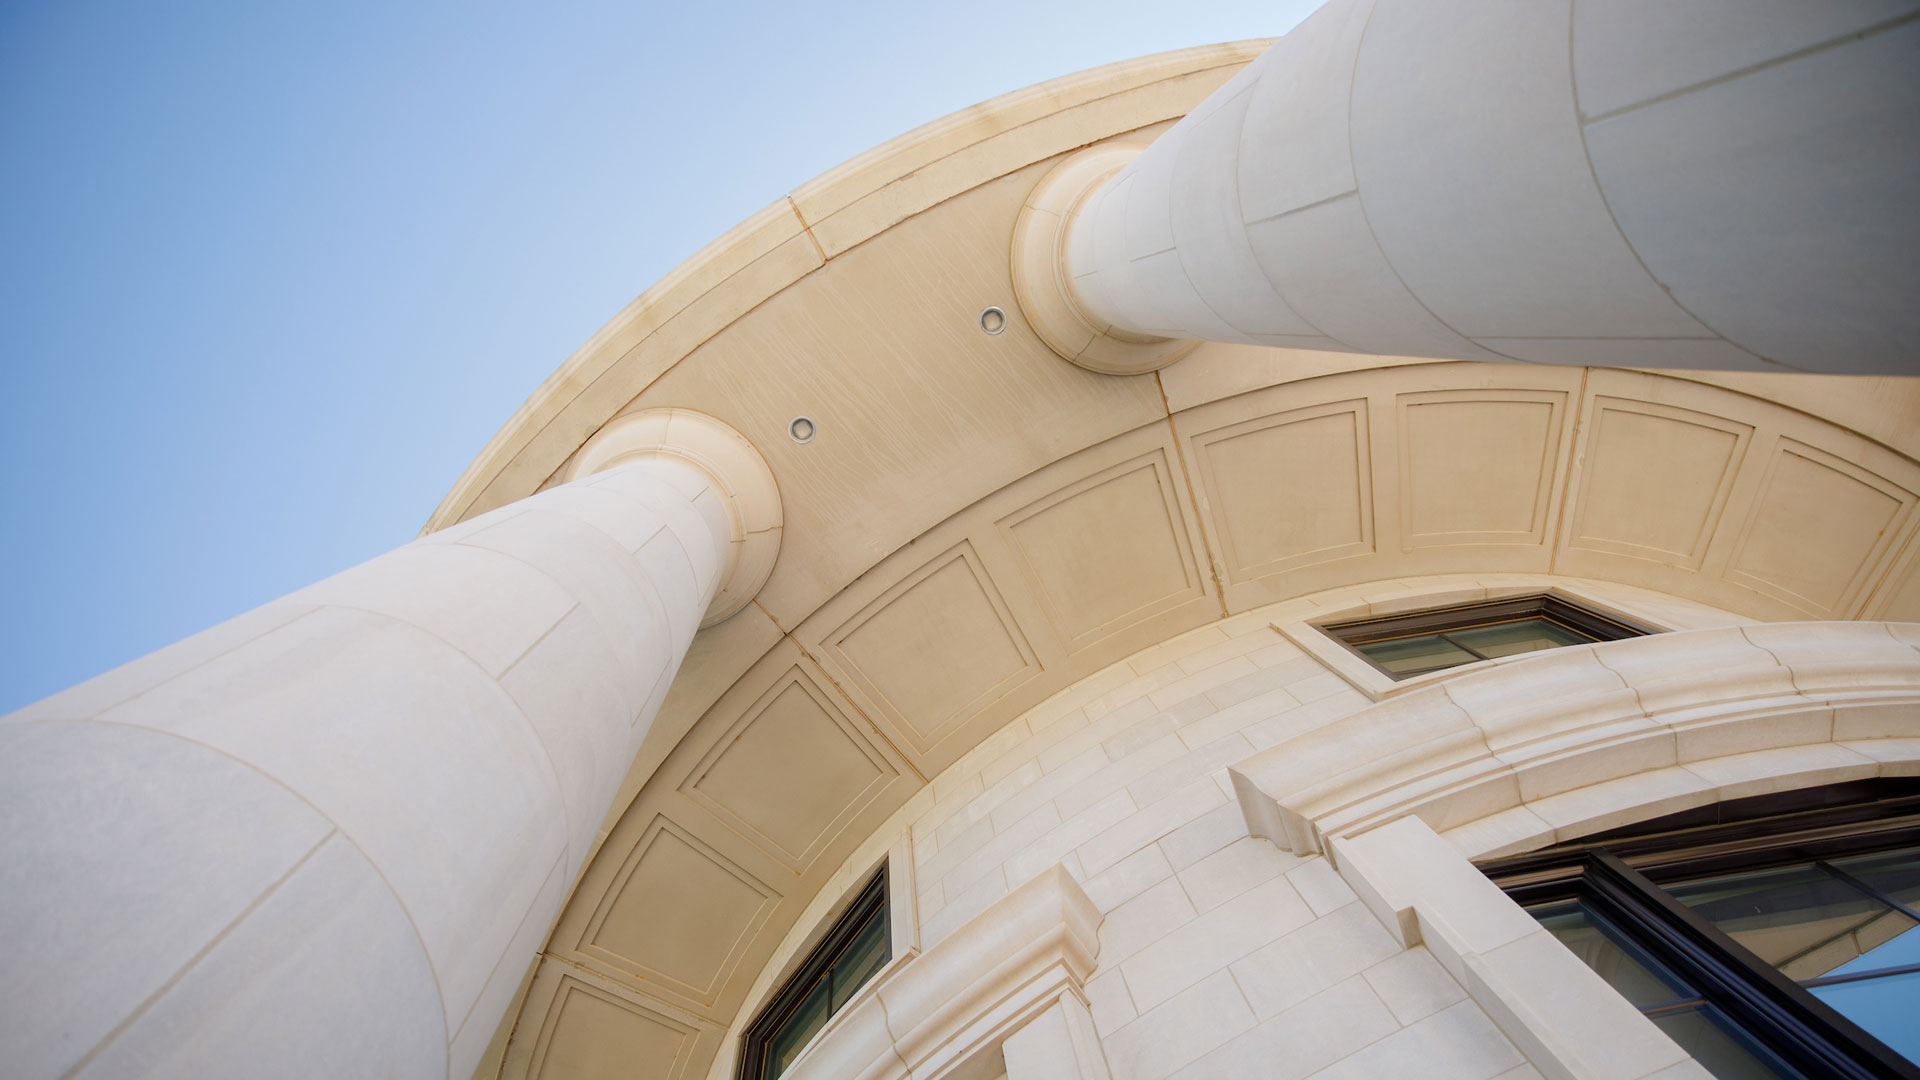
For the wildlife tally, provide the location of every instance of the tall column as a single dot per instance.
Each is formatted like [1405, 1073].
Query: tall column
[1629, 183]
[326, 838]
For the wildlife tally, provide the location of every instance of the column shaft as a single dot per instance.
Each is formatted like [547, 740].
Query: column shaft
[327, 837]
[1618, 184]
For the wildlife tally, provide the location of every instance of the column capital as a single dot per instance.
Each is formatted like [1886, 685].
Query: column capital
[738, 474]
[1042, 282]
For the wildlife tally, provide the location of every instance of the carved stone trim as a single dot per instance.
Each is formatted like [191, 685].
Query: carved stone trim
[935, 1012]
[1553, 745]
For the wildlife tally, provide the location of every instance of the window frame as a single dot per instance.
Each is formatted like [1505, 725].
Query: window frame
[1614, 875]
[869, 903]
[1594, 625]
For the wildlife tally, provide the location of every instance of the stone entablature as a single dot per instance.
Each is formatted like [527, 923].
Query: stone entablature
[1555, 745]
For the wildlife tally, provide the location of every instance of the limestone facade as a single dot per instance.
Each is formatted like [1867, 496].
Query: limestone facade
[1222, 953]
[1040, 638]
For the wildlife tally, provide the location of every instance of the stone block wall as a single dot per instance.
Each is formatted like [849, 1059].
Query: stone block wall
[1220, 955]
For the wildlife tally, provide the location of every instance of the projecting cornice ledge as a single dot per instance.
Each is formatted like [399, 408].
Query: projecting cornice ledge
[1551, 746]
[937, 1011]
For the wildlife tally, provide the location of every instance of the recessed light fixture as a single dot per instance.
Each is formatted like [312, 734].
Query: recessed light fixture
[993, 320]
[800, 429]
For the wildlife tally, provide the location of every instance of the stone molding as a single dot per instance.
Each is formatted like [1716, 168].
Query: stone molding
[729, 462]
[1570, 1023]
[1041, 281]
[932, 1013]
[1554, 745]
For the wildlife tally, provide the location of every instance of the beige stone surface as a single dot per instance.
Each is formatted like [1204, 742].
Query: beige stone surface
[823, 219]
[1060, 1044]
[1756, 493]
[908, 431]
[1116, 781]
[741, 491]
[957, 576]
[323, 920]
[1046, 295]
[715, 853]
[996, 650]
[996, 607]
[1201, 921]
[593, 1027]
[1569, 734]
[1001, 993]
[1564, 1016]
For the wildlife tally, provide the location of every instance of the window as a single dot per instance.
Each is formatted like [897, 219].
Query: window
[1775, 936]
[1419, 642]
[857, 946]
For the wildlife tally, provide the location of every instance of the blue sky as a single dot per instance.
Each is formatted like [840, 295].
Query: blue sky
[271, 274]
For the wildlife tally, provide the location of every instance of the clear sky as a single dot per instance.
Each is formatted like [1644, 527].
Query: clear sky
[272, 273]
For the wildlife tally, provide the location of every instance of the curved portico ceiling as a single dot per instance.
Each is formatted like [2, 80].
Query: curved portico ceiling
[977, 525]
[780, 247]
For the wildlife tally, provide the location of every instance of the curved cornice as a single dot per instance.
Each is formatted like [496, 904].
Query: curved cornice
[1684, 719]
[796, 235]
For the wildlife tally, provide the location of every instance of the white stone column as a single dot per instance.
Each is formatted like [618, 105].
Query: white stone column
[326, 838]
[1726, 184]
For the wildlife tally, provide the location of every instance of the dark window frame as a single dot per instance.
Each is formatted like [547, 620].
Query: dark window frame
[1619, 875]
[869, 903]
[1593, 625]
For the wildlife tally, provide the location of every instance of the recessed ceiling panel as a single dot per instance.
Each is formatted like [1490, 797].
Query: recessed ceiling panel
[1291, 489]
[1819, 526]
[1693, 455]
[1107, 551]
[790, 772]
[937, 647]
[680, 914]
[591, 1034]
[1476, 466]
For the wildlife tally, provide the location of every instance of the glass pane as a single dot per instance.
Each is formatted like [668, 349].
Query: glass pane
[1800, 919]
[1895, 873]
[1718, 1045]
[1901, 947]
[864, 955]
[1634, 974]
[1885, 1006]
[1411, 656]
[1526, 635]
[806, 1021]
